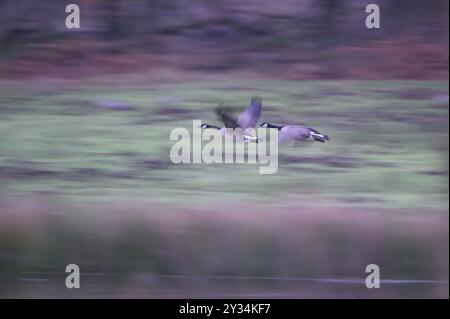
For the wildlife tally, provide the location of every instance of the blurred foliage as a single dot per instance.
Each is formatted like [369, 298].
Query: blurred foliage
[299, 38]
[151, 251]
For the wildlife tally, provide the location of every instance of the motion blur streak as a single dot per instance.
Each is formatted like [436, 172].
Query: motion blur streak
[85, 170]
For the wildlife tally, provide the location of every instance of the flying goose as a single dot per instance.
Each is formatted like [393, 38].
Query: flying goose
[246, 120]
[296, 133]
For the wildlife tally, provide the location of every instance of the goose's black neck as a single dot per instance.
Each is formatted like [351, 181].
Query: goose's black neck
[211, 126]
[279, 127]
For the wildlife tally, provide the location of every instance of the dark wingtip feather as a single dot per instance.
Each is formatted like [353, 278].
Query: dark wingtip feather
[256, 99]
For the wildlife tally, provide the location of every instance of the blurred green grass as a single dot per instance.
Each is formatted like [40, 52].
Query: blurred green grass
[101, 143]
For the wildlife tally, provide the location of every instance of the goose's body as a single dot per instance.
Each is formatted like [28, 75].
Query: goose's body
[292, 133]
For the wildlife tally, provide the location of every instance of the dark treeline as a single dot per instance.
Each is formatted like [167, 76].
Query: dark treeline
[290, 30]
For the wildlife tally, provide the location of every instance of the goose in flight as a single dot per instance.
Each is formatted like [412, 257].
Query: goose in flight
[247, 120]
[293, 133]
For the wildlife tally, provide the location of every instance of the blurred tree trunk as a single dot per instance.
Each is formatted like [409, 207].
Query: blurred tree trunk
[12, 15]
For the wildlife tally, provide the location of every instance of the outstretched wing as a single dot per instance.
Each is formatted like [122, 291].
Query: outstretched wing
[249, 118]
[226, 116]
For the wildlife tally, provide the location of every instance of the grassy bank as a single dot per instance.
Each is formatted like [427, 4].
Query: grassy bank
[389, 143]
